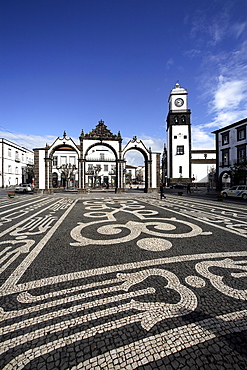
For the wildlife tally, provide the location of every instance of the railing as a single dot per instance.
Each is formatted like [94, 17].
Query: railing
[91, 159]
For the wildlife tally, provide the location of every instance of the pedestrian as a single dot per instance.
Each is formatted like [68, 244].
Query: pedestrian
[162, 195]
[188, 188]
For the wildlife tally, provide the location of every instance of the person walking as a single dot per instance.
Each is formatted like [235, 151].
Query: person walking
[188, 188]
[162, 195]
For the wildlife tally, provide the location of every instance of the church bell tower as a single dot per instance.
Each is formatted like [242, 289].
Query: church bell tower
[178, 137]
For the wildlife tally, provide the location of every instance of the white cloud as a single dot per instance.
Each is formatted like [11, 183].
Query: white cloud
[134, 157]
[221, 26]
[30, 141]
[229, 94]
[169, 63]
[202, 139]
[238, 28]
[224, 79]
[155, 144]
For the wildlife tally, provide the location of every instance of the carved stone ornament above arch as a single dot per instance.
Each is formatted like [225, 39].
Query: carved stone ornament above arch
[101, 132]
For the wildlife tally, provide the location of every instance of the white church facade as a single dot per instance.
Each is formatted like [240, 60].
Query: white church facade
[181, 163]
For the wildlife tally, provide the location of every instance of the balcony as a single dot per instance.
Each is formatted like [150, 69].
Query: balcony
[97, 159]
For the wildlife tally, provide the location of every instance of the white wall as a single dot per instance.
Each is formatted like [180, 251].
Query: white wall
[182, 134]
[200, 171]
[42, 169]
[13, 161]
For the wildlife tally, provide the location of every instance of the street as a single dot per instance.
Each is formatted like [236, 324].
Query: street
[123, 281]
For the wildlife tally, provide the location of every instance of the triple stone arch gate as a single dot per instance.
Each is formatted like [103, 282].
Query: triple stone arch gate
[99, 136]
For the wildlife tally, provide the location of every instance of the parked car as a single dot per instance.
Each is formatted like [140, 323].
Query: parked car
[238, 191]
[23, 188]
[178, 186]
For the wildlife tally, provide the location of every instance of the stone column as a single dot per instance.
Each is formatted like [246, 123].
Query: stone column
[82, 175]
[119, 176]
[149, 176]
[36, 169]
[79, 174]
[50, 185]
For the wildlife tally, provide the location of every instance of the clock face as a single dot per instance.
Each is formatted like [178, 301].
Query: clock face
[179, 102]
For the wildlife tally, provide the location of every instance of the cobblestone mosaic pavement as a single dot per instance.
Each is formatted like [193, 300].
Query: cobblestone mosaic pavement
[122, 282]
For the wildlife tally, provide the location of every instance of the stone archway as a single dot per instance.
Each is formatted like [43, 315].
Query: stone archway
[43, 162]
[110, 173]
[225, 180]
[99, 136]
[151, 163]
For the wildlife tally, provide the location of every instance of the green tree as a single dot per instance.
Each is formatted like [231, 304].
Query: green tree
[238, 172]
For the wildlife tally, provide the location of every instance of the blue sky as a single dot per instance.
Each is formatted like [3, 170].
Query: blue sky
[66, 64]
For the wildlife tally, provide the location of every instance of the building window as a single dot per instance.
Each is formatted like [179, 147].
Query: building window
[225, 138]
[9, 169]
[105, 167]
[180, 149]
[241, 153]
[185, 136]
[63, 160]
[175, 137]
[22, 157]
[17, 159]
[9, 152]
[16, 171]
[102, 156]
[241, 133]
[180, 170]
[176, 119]
[72, 160]
[55, 161]
[225, 158]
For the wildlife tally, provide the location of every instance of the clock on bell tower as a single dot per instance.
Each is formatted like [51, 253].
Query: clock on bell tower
[178, 136]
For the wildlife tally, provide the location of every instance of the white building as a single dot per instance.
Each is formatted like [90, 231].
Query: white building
[203, 166]
[100, 168]
[130, 173]
[180, 163]
[16, 161]
[65, 168]
[178, 136]
[231, 147]
[140, 173]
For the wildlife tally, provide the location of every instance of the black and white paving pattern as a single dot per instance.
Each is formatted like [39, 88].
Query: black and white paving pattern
[122, 282]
